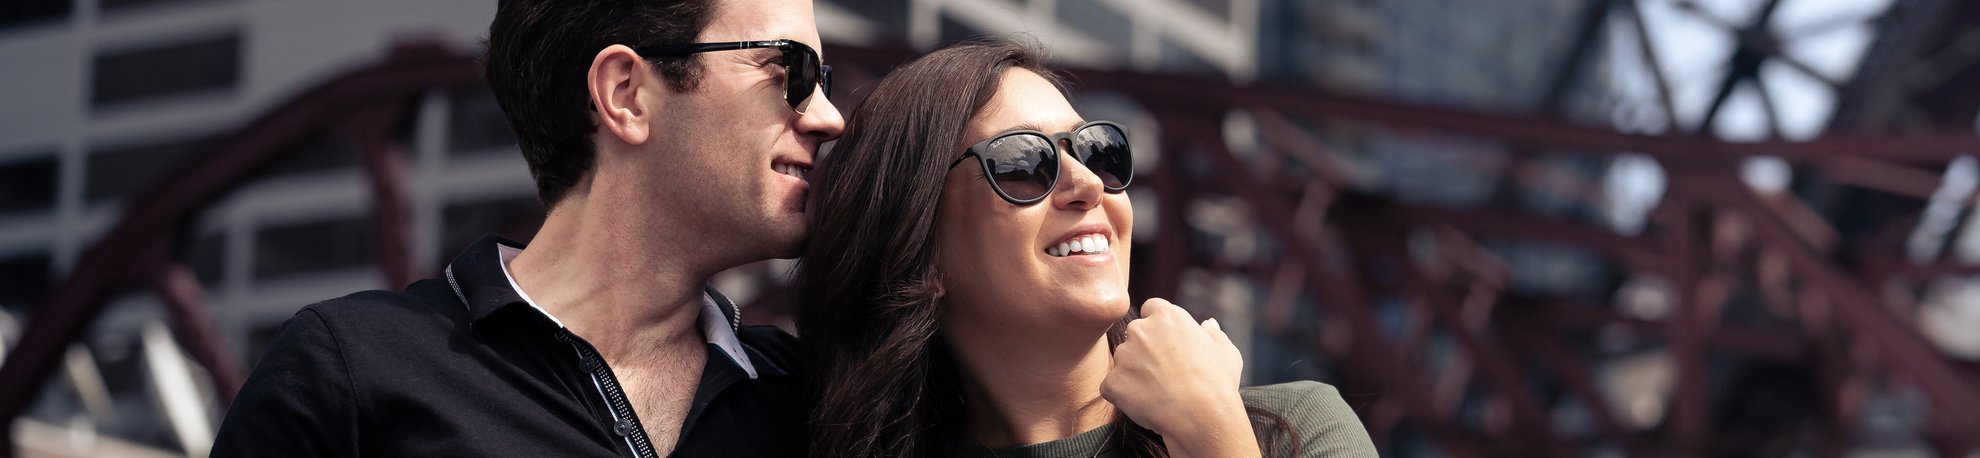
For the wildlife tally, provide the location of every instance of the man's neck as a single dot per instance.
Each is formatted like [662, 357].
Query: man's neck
[1025, 390]
[611, 279]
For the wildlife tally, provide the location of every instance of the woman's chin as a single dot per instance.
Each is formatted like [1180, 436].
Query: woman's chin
[1099, 310]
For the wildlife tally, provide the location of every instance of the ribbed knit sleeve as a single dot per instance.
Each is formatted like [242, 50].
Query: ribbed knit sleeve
[1323, 422]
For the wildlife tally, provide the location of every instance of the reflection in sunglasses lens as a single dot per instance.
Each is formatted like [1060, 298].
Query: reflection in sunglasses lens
[1021, 166]
[1104, 150]
[803, 74]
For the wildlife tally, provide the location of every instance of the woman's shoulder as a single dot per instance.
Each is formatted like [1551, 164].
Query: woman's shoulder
[1292, 395]
[1316, 413]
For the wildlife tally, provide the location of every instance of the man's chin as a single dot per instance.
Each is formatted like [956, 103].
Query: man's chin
[792, 254]
[791, 245]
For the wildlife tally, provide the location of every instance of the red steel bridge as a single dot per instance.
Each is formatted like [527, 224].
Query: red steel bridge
[1829, 273]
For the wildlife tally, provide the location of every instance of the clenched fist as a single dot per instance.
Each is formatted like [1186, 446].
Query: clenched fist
[1180, 379]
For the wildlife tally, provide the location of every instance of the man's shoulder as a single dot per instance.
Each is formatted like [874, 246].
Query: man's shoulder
[418, 305]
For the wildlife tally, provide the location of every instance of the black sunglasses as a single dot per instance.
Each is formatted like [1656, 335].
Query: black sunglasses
[1023, 165]
[802, 67]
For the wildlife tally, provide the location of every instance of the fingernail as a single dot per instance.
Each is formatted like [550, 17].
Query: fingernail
[1212, 323]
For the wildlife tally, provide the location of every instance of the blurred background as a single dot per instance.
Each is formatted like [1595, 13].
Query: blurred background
[1500, 227]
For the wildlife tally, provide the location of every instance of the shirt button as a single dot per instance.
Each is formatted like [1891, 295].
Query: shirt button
[623, 427]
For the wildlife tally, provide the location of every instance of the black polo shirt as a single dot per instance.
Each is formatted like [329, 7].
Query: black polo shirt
[467, 366]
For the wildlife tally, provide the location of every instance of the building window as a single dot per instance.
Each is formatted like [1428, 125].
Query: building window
[198, 66]
[1219, 9]
[1181, 60]
[1099, 22]
[119, 6]
[208, 258]
[24, 281]
[476, 123]
[954, 31]
[464, 222]
[889, 16]
[315, 154]
[28, 186]
[119, 171]
[310, 247]
[22, 12]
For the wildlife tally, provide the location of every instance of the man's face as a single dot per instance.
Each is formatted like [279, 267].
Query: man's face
[733, 148]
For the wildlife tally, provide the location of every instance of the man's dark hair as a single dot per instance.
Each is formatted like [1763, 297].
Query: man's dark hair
[539, 52]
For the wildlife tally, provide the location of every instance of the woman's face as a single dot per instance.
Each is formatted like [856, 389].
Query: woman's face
[1000, 265]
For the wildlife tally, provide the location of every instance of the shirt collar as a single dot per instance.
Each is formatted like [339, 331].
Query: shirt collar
[481, 280]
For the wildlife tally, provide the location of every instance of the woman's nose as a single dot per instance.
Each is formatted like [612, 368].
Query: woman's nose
[1078, 187]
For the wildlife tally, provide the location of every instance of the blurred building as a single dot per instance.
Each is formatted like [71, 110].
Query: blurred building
[105, 99]
[102, 100]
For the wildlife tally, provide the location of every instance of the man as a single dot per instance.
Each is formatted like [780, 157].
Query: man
[668, 140]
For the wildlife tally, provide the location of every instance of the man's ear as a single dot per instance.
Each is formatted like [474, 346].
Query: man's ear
[617, 77]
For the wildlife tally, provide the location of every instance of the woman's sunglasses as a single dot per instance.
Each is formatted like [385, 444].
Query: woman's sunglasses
[1023, 165]
[803, 70]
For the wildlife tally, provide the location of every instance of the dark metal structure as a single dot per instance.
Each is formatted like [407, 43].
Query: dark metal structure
[362, 106]
[1839, 304]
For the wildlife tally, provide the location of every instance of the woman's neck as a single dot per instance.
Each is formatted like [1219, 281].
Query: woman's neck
[1026, 390]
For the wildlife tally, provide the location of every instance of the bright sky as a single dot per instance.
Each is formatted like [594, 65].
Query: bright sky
[1828, 36]
[1693, 45]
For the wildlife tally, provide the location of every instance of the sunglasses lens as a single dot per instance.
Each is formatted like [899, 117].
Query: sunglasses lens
[798, 73]
[803, 74]
[1022, 166]
[1104, 150]
[825, 79]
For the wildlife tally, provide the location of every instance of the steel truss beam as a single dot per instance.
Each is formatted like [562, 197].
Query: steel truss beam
[1320, 221]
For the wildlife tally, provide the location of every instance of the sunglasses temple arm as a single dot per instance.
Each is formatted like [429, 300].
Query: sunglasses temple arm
[960, 159]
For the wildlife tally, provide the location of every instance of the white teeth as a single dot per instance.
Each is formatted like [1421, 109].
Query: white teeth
[1091, 244]
[789, 169]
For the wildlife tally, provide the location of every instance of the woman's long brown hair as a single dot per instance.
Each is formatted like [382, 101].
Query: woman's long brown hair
[882, 380]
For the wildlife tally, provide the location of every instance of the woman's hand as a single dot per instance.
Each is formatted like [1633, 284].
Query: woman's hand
[1180, 379]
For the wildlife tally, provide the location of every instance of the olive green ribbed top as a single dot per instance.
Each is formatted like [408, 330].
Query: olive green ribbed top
[1323, 421]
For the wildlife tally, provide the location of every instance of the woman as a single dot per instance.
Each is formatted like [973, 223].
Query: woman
[968, 257]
